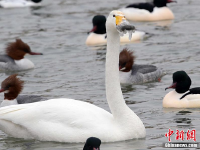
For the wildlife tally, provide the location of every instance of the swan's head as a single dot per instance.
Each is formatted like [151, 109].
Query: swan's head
[11, 87]
[18, 49]
[126, 60]
[92, 143]
[117, 21]
[181, 82]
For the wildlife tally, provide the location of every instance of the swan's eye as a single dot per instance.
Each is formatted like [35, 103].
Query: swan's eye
[113, 15]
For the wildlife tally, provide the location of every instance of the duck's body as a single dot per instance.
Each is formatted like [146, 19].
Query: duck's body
[68, 120]
[131, 73]
[99, 39]
[14, 59]
[158, 14]
[15, 65]
[172, 100]
[98, 36]
[182, 96]
[17, 3]
[141, 74]
[155, 11]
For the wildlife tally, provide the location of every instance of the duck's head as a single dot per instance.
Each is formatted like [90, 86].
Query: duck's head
[36, 1]
[126, 60]
[162, 3]
[92, 143]
[116, 21]
[99, 26]
[18, 49]
[11, 86]
[181, 82]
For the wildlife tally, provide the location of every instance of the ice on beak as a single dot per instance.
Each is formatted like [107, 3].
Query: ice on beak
[125, 27]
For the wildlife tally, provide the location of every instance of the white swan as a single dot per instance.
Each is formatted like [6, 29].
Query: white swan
[155, 11]
[19, 3]
[182, 96]
[68, 120]
[97, 35]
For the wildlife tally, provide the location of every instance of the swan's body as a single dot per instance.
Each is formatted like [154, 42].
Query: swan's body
[17, 3]
[182, 96]
[68, 120]
[158, 14]
[141, 74]
[99, 39]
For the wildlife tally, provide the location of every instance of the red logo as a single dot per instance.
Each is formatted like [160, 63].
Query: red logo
[191, 135]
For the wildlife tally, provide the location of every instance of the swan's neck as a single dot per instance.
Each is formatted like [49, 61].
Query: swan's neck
[114, 95]
[6, 102]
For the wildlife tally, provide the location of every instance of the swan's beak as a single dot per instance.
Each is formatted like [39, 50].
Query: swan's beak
[173, 86]
[123, 25]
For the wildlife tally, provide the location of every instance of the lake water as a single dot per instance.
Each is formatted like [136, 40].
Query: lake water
[71, 69]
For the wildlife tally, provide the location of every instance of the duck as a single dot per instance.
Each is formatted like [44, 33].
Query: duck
[156, 11]
[12, 87]
[14, 59]
[98, 36]
[131, 73]
[19, 3]
[73, 121]
[182, 96]
[92, 143]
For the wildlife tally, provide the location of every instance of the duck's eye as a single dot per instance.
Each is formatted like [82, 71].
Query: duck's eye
[113, 15]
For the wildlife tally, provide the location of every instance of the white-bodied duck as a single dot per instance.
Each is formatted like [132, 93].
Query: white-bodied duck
[182, 96]
[19, 3]
[131, 73]
[69, 120]
[98, 36]
[12, 87]
[14, 59]
[155, 11]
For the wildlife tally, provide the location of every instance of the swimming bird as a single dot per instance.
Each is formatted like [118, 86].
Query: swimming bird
[155, 11]
[73, 121]
[131, 73]
[98, 36]
[92, 143]
[14, 59]
[19, 3]
[12, 87]
[182, 96]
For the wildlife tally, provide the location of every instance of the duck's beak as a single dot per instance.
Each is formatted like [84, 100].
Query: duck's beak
[2, 90]
[33, 53]
[94, 29]
[171, 1]
[95, 148]
[173, 86]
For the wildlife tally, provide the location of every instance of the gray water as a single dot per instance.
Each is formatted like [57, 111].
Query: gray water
[71, 69]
